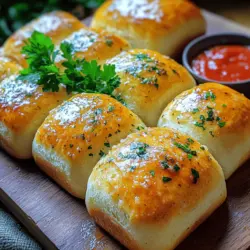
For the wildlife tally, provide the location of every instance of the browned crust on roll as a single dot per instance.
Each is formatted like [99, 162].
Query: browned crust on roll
[57, 175]
[117, 231]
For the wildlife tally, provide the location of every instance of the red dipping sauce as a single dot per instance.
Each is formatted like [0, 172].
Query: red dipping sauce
[229, 63]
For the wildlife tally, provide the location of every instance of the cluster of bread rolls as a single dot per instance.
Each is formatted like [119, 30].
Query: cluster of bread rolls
[148, 187]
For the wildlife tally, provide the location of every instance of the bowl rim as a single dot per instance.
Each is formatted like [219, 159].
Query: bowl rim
[187, 65]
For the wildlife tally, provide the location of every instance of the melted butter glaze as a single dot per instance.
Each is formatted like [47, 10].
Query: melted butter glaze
[231, 107]
[8, 67]
[135, 179]
[57, 25]
[86, 126]
[21, 101]
[95, 45]
[149, 76]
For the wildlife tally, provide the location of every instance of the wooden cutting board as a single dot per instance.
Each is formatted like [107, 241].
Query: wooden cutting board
[60, 221]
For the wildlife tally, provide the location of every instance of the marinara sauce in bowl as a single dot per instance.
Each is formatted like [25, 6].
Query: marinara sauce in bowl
[223, 58]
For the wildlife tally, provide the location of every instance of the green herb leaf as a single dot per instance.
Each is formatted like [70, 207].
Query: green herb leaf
[166, 179]
[78, 76]
[152, 172]
[195, 175]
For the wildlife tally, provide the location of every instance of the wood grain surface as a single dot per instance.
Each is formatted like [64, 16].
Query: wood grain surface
[59, 221]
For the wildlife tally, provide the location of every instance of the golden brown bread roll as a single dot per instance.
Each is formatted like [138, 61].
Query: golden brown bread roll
[162, 25]
[150, 193]
[94, 45]
[57, 25]
[8, 67]
[23, 108]
[76, 134]
[149, 81]
[216, 116]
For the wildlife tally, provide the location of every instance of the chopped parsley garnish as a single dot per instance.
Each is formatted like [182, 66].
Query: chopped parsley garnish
[195, 175]
[164, 164]
[211, 133]
[106, 144]
[132, 169]
[101, 153]
[143, 57]
[221, 124]
[111, 108]
[140, 128]
[109, 42]
[210, 114]
[78, 75]
[202, 148]
[109, 135]
[175, 72]
[191, 141]
[71, 145]
[152, 172]
[166, 179]
[90, 147]
[139, 147]
[200, 124]
[176, 168]
[98, 111]
[91, 154]
[211, 95]
[195, 110]
[186, 149]
[224, 105]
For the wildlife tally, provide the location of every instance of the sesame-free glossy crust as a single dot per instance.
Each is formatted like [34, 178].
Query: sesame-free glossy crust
[8, 67]
[23, 107]
[140, 201]
[77, 133]
[162, 25]
[230, 142]
[57, 25]
[94, 44]
[149, 81]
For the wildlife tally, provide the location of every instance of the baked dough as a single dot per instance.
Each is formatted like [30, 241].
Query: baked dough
[23, 108]
[149, 81]
[94, 45]
[150, 194]
[217, 116]
[8, 67]
[77, 134]
[162, 25]
[57, 25]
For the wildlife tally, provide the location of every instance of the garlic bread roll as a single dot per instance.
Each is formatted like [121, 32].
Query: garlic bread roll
[77, 134]
[23, 108]
[154, 188]
[162, 25]
[216, 116]
[94, 45]
[149, 81]
[8, 67]
[57, 25]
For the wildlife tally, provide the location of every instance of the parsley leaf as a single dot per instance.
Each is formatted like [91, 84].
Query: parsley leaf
[78, 75]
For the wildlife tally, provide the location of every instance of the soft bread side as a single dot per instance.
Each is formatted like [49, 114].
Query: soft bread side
[23, 108]
[77, 134]
[162, 25]
[216, 116]
[149, 81]
[148, 192]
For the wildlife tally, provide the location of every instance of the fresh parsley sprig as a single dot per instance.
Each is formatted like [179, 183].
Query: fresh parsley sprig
[78, 74]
